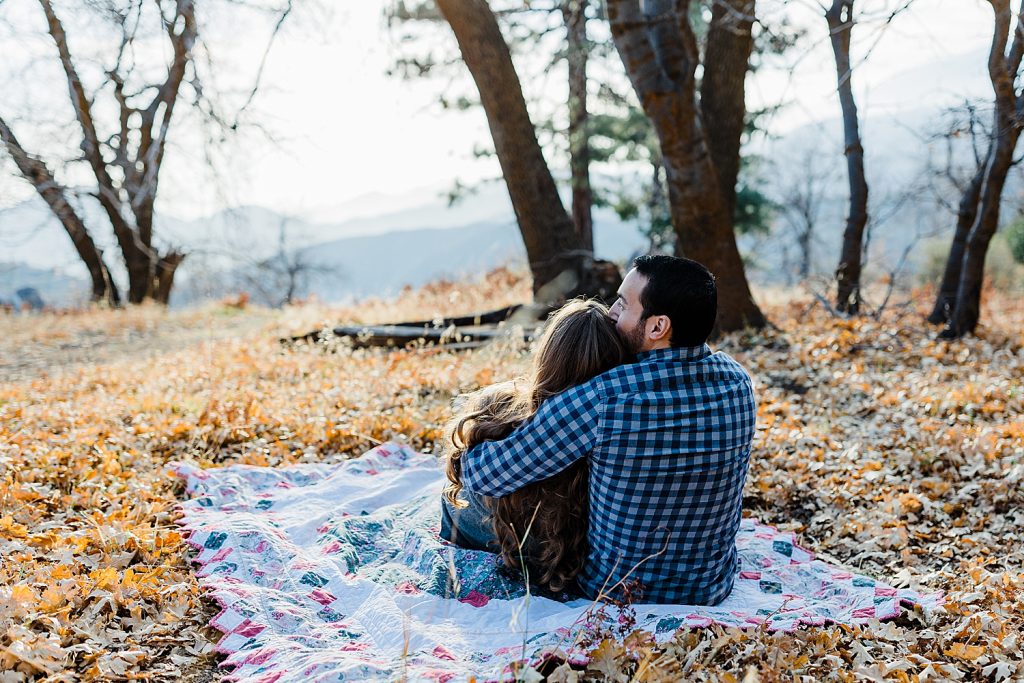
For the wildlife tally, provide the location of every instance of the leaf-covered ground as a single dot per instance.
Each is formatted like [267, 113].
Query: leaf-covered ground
[888, 452]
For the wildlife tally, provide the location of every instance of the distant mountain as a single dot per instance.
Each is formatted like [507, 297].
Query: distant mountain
[382, 264]
[419, 206]
[259, 231]
[931, 86]
[378, 243]
[905, 157]
[29, 233]
[55, 287]
[375, 255]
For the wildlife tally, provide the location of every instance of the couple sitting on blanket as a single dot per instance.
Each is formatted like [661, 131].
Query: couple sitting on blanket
[619, 463]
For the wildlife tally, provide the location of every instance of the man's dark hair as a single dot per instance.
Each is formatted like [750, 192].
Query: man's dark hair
[683, 290]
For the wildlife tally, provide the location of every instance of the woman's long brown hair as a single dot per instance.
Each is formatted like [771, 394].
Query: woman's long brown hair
[544, 523]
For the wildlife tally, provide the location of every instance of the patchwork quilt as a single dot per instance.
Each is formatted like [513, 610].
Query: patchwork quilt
[337, 573]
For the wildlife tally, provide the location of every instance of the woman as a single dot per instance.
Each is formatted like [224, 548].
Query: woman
[545, 523]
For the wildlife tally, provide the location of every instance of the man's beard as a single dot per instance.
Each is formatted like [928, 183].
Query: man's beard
[634, 338]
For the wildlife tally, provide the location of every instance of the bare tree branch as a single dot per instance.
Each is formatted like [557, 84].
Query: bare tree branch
[263, 61]
[106, 194]
[54, 194]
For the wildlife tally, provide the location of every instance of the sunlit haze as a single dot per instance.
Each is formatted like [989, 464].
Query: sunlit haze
[345, 130]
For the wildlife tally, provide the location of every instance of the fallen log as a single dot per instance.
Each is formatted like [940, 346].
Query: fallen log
[400, 336]
[488, 318]
[463, 332]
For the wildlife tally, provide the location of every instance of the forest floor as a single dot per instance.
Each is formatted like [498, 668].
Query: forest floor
[885, 450]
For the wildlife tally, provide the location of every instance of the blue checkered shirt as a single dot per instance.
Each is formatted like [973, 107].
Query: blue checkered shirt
[668, 442]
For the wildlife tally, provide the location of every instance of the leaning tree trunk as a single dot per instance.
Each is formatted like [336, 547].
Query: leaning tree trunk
[1003, 72]
[558, 258]
[966, 213]
[574, 15]
[848, 296]
[107, 194]
[659, 50]
[37, 173]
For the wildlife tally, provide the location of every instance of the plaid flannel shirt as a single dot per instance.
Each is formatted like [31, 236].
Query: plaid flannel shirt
[668, 442]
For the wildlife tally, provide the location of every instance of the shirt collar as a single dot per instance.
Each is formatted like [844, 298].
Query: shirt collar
[684, 354]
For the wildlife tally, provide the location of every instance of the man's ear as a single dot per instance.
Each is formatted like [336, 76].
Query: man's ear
[660, 329]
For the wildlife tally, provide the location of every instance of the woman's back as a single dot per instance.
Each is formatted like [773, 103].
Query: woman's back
[544, 523]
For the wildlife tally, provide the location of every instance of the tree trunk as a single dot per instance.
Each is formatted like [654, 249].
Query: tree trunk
[574, 15]
[558, 258]
[141, 274]
[723, 88]
[659, 51]
[1006, 129]
[966, 213]
[656, 204]
[703, 221]
[166, 268]
[804, 243]
[36, 172]
[848, 297]
[967, 311]
[113, 296]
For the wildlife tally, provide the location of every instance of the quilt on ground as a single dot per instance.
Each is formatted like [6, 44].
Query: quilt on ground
[336, 573]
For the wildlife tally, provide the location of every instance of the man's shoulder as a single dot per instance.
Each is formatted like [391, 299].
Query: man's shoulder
[721, 360]
[736, 386]
[631, 378]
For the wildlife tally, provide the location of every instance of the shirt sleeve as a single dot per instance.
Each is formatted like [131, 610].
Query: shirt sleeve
[564, 429]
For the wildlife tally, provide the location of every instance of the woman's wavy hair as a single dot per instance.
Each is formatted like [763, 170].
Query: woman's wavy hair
[544, 523]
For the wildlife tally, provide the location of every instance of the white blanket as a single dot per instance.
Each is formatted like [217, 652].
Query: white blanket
[336, 572]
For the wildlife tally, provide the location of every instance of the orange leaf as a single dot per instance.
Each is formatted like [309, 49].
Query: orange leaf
[964, 651]
[105, 578]
[22, 594]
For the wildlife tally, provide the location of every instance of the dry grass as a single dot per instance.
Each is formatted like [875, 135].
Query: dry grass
[890, 452]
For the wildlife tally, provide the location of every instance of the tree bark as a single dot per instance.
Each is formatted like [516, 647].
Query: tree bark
[142, 179]
[574, 15]
[558, 257]
[659, 50]
[966, 213]
[166, 268]
[848, 296]
[723, 88]
[37, 173]
[1003, 71]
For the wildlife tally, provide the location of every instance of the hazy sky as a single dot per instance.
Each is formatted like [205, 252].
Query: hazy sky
[346, 130]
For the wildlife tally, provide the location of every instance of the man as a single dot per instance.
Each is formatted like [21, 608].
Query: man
[667, 439]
